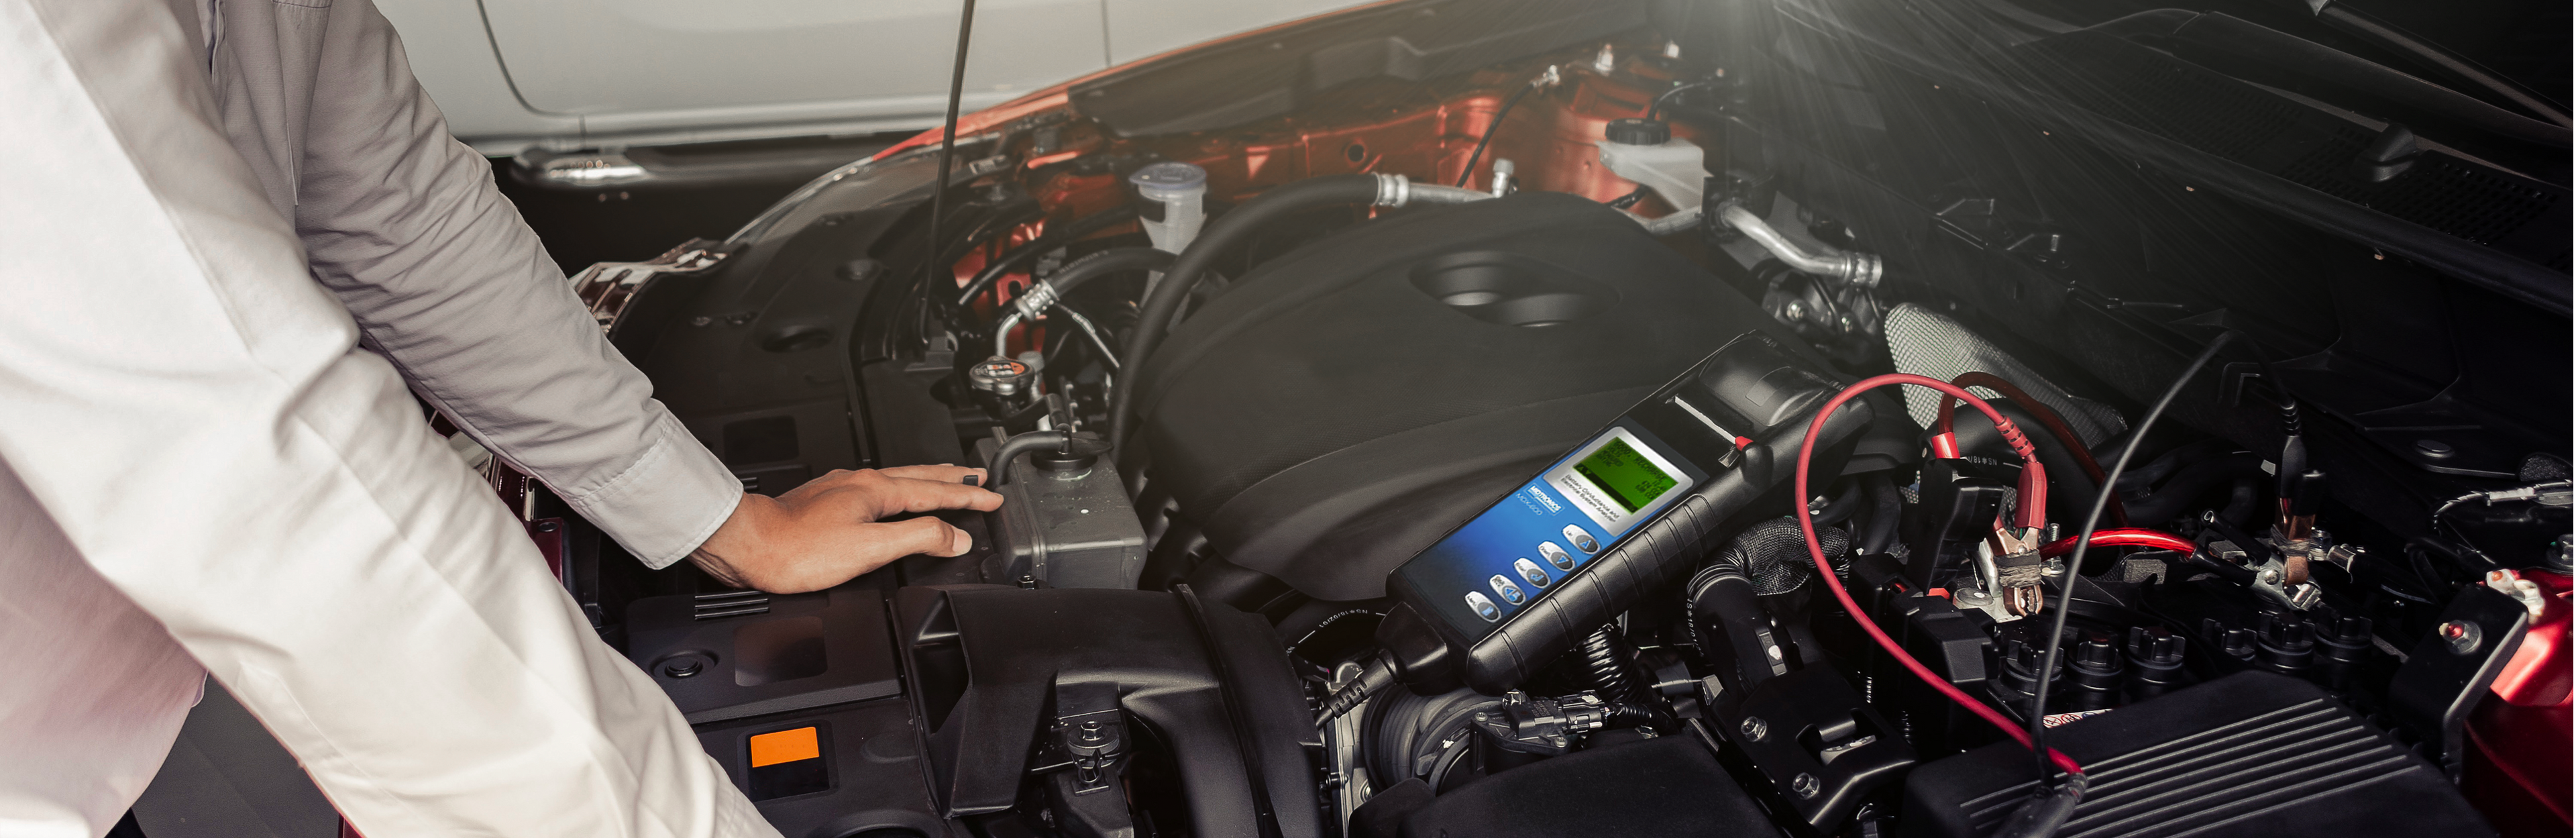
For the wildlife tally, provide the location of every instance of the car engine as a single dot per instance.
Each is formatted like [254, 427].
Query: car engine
[1968, 425]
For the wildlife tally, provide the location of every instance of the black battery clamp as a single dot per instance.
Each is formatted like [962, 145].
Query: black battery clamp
[1629, 510]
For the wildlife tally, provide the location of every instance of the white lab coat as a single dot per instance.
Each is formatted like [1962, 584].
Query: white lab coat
[230, 234]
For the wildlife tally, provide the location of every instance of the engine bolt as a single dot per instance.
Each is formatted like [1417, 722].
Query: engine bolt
[1805, 785]
[1754, 728]
[2463, 637]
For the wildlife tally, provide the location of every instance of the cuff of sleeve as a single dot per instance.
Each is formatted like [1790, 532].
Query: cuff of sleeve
[668, 502]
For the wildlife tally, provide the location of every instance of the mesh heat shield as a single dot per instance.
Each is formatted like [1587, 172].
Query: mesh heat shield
[1928, 344]
[1774, 554]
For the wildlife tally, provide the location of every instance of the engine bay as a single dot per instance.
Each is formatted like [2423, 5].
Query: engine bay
[1674, 419]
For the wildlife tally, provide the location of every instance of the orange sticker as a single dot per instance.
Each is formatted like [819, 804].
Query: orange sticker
[784, 746]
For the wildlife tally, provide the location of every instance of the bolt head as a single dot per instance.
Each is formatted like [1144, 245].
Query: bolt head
[1754, 728]
[1805, 785]
[2461, 637]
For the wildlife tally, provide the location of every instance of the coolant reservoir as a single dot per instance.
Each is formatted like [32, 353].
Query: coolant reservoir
[1175, 203]
[1645, 151]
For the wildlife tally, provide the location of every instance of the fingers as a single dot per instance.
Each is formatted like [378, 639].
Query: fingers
[811, 556]
[899, 495]
[942, 473]
[923, 536]
[872, 494]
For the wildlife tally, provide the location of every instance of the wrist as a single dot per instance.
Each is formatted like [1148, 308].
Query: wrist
[727, 552]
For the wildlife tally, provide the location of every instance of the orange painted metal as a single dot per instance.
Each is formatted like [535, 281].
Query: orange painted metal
[1424, 131]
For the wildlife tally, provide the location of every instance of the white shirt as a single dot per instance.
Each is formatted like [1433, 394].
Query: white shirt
[201, 465]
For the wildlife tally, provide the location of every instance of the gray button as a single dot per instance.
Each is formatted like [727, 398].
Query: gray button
[1582, 540]
[1484, 607]
[1510, 593]
[1556, 555]
[1529, 570]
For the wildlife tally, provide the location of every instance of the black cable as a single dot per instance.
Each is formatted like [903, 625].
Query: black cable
[1104, 263]
[1630, 199]
[1377, 674]
[2066, 581]
[948, 134]
[1655, 109]
[1497, 125]
[1054, 237]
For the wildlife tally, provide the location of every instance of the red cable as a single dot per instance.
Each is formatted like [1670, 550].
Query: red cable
[2046, 417]
[1824, 568]
[2126, 537]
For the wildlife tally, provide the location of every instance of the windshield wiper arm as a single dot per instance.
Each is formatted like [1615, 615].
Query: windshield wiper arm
[2268, 56]
[2457, 68]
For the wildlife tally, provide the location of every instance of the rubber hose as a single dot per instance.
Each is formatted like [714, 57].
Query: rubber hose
[1609, 670]
[1047, 241]
[2189, 484]
[1878, 534]
[1841, 507]
[1106, 262]
[1000, 467]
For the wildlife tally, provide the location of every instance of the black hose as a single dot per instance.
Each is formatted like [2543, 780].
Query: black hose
[2143, 479]
[2188, 485]
[1655, 109]
[1000, 467]
[1469, 173]
[1106, 262]
[1050, 240]
[2067, 585]
[1841, 507]
[1222, 233]
[1878, 534]
[1609, 668]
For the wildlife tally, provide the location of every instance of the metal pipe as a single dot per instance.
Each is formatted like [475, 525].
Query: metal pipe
[1670, 224]
[1860, 269]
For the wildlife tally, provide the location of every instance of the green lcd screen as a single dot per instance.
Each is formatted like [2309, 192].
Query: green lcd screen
[1627, 475]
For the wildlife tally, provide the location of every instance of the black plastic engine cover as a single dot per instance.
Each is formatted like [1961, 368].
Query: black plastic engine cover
[1345, 405]
[2251, 754]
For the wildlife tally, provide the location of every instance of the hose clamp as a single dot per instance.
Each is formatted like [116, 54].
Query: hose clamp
[1393, 190]
[1862, 269]
[1033, 302]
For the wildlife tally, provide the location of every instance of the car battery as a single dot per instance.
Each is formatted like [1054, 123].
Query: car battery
[2250, 754]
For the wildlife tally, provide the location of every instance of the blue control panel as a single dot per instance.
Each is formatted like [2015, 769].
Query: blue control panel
[1556, 524]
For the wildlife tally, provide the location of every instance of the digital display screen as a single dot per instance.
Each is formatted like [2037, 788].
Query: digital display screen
[1560, 522]
[1628, 476]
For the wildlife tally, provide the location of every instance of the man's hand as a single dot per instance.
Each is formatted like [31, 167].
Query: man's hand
[825, 532]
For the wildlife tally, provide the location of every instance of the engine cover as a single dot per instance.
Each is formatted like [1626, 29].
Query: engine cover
[1346, 404]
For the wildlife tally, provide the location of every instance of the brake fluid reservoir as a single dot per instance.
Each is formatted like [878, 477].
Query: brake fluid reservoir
[1174, 207]
[1645, 151]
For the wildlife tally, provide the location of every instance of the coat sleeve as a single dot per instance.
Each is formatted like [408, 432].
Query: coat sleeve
[404, 224]
[192, 411]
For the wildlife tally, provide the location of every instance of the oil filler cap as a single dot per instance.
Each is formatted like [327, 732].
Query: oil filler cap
[1634, 131]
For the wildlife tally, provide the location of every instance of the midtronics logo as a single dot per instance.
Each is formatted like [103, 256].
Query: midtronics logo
[1544, 500]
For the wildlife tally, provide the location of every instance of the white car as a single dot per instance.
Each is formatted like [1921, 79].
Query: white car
[567, 75]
